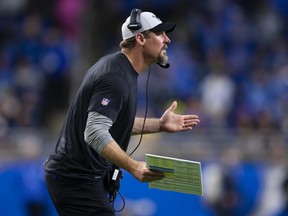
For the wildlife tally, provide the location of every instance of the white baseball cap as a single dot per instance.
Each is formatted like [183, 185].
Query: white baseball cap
[145, 21]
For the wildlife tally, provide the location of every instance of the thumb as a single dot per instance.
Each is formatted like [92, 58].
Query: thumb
[173, 106]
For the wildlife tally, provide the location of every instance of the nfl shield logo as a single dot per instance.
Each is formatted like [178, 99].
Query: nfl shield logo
[105, 101]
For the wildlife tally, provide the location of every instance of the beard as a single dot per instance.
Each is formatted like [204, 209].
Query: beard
[163, 58]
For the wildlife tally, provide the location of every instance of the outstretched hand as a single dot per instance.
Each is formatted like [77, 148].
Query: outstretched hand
[171, 122]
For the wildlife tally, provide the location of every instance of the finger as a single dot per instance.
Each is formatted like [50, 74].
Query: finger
[191, 122]
[187, 121]
[157, 177]
[158, 174]
[188, 126]
[185, 129]
[173, 106]
[155, 173]
[187, 117]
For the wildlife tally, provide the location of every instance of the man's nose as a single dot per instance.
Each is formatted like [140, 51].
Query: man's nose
[167, 39]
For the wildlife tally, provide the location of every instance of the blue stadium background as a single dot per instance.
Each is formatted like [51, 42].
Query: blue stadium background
[229, 65]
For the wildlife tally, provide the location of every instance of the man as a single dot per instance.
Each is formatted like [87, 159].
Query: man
[102, 118]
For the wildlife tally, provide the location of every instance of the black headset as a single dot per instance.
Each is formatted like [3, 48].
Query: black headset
[134, 24]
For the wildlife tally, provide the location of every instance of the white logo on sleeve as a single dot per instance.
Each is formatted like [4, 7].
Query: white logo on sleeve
[105, 101]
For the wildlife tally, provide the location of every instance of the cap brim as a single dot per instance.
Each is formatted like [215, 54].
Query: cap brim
[167, 27]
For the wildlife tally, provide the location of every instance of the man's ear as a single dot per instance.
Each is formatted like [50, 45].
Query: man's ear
[140, 38]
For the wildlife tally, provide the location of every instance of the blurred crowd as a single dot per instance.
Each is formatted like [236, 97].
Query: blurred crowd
[228, 58]
[229, 64]
[35, 62]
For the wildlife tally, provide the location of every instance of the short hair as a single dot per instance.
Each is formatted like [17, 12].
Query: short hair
[131, 42]
[128, 43]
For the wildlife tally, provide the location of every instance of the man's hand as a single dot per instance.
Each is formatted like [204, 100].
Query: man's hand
[171, 122]
[139, 170]
[143, 174]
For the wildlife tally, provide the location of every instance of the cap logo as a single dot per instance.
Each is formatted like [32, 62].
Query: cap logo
[156, 17]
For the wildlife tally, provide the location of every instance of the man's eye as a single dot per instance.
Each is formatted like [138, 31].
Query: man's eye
[158, 33]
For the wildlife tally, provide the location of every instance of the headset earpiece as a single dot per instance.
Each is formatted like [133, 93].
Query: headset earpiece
[134, 24]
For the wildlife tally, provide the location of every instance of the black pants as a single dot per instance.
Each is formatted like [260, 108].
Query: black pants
[74, 197]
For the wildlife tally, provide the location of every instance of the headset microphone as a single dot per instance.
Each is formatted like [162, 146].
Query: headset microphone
[166, 65]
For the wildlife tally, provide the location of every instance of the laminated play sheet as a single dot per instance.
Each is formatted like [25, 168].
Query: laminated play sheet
[181, 175]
